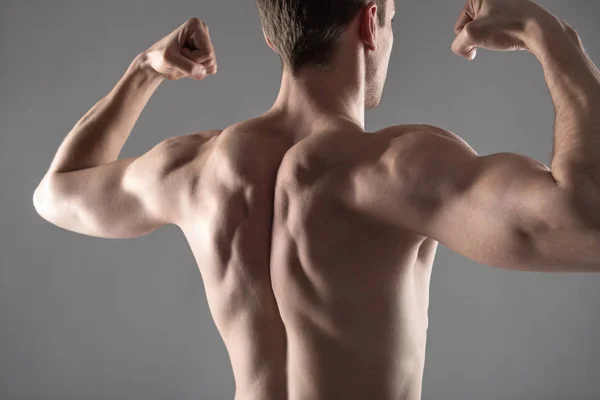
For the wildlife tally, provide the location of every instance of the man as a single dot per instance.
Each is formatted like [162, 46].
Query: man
[316, 239]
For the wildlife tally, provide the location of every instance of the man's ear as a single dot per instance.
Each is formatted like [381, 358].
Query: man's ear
[368, 26]
[269, 41]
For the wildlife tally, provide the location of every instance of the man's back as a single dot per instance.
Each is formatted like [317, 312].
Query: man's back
[316, 246]
[352, 285]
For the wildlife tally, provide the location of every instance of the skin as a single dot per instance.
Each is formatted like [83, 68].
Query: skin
[317, 259]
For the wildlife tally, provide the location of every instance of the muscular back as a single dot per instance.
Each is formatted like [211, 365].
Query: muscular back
[285, 234]
[316, 244]
[351, 283]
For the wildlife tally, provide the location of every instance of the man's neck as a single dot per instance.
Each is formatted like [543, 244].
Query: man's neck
[315, 97]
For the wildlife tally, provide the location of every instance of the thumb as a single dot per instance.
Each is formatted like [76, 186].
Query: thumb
[471, 36]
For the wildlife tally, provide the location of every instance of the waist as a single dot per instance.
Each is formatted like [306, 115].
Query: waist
[385, 366]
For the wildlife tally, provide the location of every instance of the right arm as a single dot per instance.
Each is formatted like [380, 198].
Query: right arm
[508, 210]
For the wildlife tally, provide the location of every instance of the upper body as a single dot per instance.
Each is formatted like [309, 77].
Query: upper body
[316, 238]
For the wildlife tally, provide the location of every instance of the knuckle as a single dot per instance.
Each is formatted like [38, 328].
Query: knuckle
[195, 21]
[470, 31]
[207, 64]
[477, 32]
[211, 67]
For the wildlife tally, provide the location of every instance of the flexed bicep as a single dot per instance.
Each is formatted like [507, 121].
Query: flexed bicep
[504, 210]
[127, 198]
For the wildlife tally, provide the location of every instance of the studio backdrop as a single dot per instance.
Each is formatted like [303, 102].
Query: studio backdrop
[88, 318]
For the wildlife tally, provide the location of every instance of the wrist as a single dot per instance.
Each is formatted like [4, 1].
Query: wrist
[141, 67]
[544, 33]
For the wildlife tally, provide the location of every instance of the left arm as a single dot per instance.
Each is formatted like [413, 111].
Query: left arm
[87, 189]
[126, 198]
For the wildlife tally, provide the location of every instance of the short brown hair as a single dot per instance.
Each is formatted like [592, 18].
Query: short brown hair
[307, 31]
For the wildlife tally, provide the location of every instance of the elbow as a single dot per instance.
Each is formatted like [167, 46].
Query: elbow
[45, 200]
[40, 200]
[37, 200]
[63, 209]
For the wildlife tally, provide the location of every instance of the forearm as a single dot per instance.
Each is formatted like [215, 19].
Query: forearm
[99, 136]
[574, 83]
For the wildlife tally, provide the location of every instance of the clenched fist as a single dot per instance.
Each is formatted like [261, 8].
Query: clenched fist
[499, 25]
[186, 52]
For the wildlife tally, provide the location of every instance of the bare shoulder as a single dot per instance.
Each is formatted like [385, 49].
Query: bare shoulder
[171, 164]
[174, 153]
[411, 172]
[424, 156]
[175, 144]
[421, 136]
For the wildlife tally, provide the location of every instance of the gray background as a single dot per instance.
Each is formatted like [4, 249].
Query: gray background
[87, 318]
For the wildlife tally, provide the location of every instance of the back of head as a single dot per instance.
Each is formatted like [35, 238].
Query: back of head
[307, 32]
